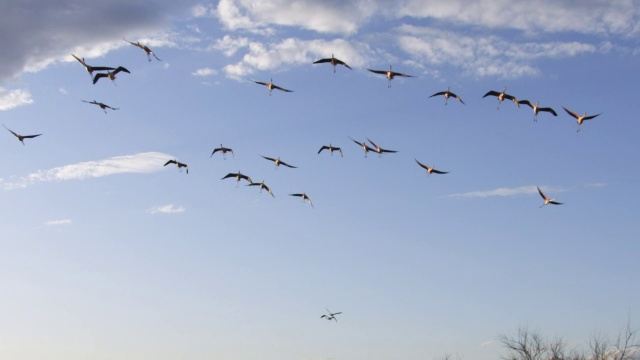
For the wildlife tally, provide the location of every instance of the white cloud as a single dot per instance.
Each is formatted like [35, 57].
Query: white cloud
[166, 209]
[137, 163]
[14, 98]
[205, 72]
[58, 222]
[480, 55]
[504, 192]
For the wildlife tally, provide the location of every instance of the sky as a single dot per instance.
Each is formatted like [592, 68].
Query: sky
[109, 254]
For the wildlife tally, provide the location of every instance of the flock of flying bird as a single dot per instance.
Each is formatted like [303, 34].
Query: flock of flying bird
[111, 73]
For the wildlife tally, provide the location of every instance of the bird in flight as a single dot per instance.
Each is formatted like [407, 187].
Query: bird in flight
[304, 197]
[333, 61]
[271, 86]
[447, 94]
[261, 185]
[501, 96]
[331, 149]
[537, 109]
[279, 162]
[389, 74]
[21, 137]
[178, 164]
[430, 169]
[238, 176]
[547, 201]
[224, 151]
[103, 106]
[580, 118]
[330, 315]
[364, 147]
[145, 48]
[90, 69]
[380, 150]
[111, 75]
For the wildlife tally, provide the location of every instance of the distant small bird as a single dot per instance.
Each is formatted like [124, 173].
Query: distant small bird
[261, 185]
[21, 137]
[430, 169]
[364, 147]
[501, 96]
[279, 162]
[304, 197]
[331, 148]
[111, 75]
[447, 94]
[390, 74]
[537, 109]
[271, 86]
[380, 150]
[90, 69]
[238, 176]
[547, 201]
[178, 164]
[145, 48]
[224, 151]
[580, 118]
[333, 61]
[330, 315]
[103, 106]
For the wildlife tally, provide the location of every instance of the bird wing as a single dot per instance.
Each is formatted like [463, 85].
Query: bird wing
[322, 148]
[170, 162]
[81, 61]
[439, 172]
[229, 175]
[279, 88]
[542, 194]
[383, 72]
[11, 131]
[344, 64]
[457, 97]
[388, 151]
[590, 117]
[357, 142]
[555, 203]
[30, 136]
[438, 93]
[492, 93]
[215, 151]
[322, 61]
[102, 68]
[547, 109]
[341, 155]
[120, 68]
[374, 144]
[527, 102]
[98, 76]
[571, 113]
[268, 158]
[422, 165]
[393, 73]
[285, 164]
[260, 82]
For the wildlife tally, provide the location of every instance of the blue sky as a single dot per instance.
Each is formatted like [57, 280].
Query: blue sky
[109, 254]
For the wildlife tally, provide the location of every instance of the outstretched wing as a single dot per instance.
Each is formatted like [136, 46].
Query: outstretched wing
[542, 194]
[383, 72]
[439, 172]
[170, 162]
[492, 93]
[280, 88]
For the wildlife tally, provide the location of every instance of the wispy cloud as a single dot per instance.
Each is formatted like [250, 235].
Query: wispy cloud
[505, 192]
[166, 209]
[137, 163]
[58, 222]
[205, 72]
[14, 98]
[595, 185]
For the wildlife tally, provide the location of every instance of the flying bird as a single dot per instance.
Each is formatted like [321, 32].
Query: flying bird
[238, 176]
[580, 118]
[145, 48]
[547, 201]
[364, 147]
[537, 109]
[178, 164]
[389, 74]
[447, 94]
[304, 197]
[430, 169]
[380, 150]
[103, 106]
[111, 75]
[330, 315]
[331, 148]
[261, 185]
[333, 61]
[21, 137]
[224, 151]
[90, 69]
[271, 86]
[501, 96]
[279, 162]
